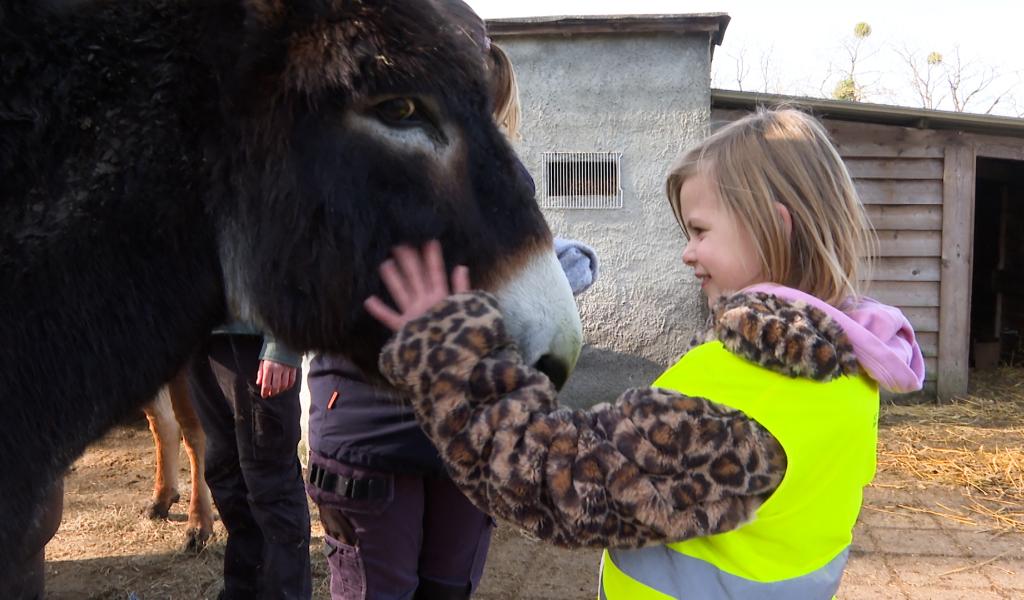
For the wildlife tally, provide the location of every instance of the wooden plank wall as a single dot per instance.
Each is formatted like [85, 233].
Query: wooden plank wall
[899, 176]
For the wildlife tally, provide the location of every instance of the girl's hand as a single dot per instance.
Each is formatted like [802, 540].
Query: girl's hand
[416, 280]
[274, 378]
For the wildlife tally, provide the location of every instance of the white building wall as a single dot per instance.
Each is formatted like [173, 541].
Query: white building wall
[646, 95]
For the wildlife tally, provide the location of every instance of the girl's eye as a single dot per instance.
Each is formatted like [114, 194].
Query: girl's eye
[399, 112]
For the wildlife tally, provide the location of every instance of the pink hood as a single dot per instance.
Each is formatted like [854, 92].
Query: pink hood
[881, 335]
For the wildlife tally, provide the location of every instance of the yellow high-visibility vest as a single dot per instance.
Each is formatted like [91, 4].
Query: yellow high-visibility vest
[797, 544]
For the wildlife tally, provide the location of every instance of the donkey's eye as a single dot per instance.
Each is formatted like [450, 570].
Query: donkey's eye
[399, 112]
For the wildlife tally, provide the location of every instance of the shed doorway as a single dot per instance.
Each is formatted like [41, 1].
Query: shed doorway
[997, 280]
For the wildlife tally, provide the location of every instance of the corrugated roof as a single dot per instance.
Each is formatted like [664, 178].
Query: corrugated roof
[712, 23]
[920, 118]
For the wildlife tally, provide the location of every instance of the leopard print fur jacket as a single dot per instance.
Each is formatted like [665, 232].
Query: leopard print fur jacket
[654, 466]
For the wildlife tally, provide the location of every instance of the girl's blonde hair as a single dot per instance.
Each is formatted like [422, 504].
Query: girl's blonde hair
[784, 155]
[505, 89]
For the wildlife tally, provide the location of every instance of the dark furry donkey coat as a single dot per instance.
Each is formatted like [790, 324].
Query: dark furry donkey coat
[167, 165]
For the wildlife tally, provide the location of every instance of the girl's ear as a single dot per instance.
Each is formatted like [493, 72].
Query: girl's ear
[787, 220]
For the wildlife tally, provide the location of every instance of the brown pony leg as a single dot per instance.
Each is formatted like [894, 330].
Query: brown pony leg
[165, 436]
[200, 508]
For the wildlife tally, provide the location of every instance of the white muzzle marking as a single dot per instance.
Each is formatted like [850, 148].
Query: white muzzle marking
[540, 312]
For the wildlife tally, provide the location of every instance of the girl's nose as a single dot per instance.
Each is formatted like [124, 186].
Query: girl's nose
[690, 254]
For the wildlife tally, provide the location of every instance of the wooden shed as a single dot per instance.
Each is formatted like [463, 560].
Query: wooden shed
[945, 193]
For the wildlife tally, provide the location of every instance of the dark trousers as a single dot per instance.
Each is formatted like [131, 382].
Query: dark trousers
[423, 540]
[253, 471]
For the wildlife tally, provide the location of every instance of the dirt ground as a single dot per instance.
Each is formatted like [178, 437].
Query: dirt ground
[106, 548]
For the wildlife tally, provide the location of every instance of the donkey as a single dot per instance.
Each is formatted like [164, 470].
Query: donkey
[168, 164]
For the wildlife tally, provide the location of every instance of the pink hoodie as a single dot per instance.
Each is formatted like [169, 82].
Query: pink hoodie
[882, 337]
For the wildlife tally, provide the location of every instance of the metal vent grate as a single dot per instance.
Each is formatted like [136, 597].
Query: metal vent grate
[582, 180]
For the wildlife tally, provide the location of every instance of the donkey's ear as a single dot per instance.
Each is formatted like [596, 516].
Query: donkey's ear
[264, 14]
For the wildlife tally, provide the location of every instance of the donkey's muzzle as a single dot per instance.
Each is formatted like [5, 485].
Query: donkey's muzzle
[541, 316]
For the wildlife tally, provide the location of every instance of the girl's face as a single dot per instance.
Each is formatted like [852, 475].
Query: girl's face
[720, 250]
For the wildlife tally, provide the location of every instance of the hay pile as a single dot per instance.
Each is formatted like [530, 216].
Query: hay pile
[975, 443]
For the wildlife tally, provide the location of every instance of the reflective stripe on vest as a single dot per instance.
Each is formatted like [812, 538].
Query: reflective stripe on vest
[660, 573]
[804, 529]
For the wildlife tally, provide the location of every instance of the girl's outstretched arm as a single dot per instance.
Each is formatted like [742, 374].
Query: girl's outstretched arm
[654, 466]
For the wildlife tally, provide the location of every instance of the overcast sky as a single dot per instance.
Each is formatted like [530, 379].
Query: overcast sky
[803, 39]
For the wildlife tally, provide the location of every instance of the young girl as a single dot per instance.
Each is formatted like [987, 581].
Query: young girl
[739, 473]
[396, 524]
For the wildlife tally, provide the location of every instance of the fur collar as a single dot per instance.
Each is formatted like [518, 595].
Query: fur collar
[792, 338]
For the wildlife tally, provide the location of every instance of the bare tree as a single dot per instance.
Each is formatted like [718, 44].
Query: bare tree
[1014, 106]
[848, 87]
[925, 76]
[742, 68]
[948, 81]
[826, 79]
[742, 65]
[769, 76]
[967, 80]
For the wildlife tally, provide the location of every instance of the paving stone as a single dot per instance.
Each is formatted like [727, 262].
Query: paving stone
[863, 541]
[1007, 575]
[575, 570]
[891, 516]
[889, 496]
[508, 559]
[867, 571]
[944, 593]
[494, 591]
[869, 592]
[954, 572]
[922, 542]
[988, 544]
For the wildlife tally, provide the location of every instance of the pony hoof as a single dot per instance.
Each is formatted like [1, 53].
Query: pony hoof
[158, 509]
[195, 540]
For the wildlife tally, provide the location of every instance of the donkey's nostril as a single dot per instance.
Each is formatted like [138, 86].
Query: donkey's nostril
[556, 370]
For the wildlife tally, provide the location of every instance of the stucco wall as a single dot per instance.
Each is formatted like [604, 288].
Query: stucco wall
[648, 97]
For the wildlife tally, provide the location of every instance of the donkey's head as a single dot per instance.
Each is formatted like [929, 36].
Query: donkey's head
[358, 125]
